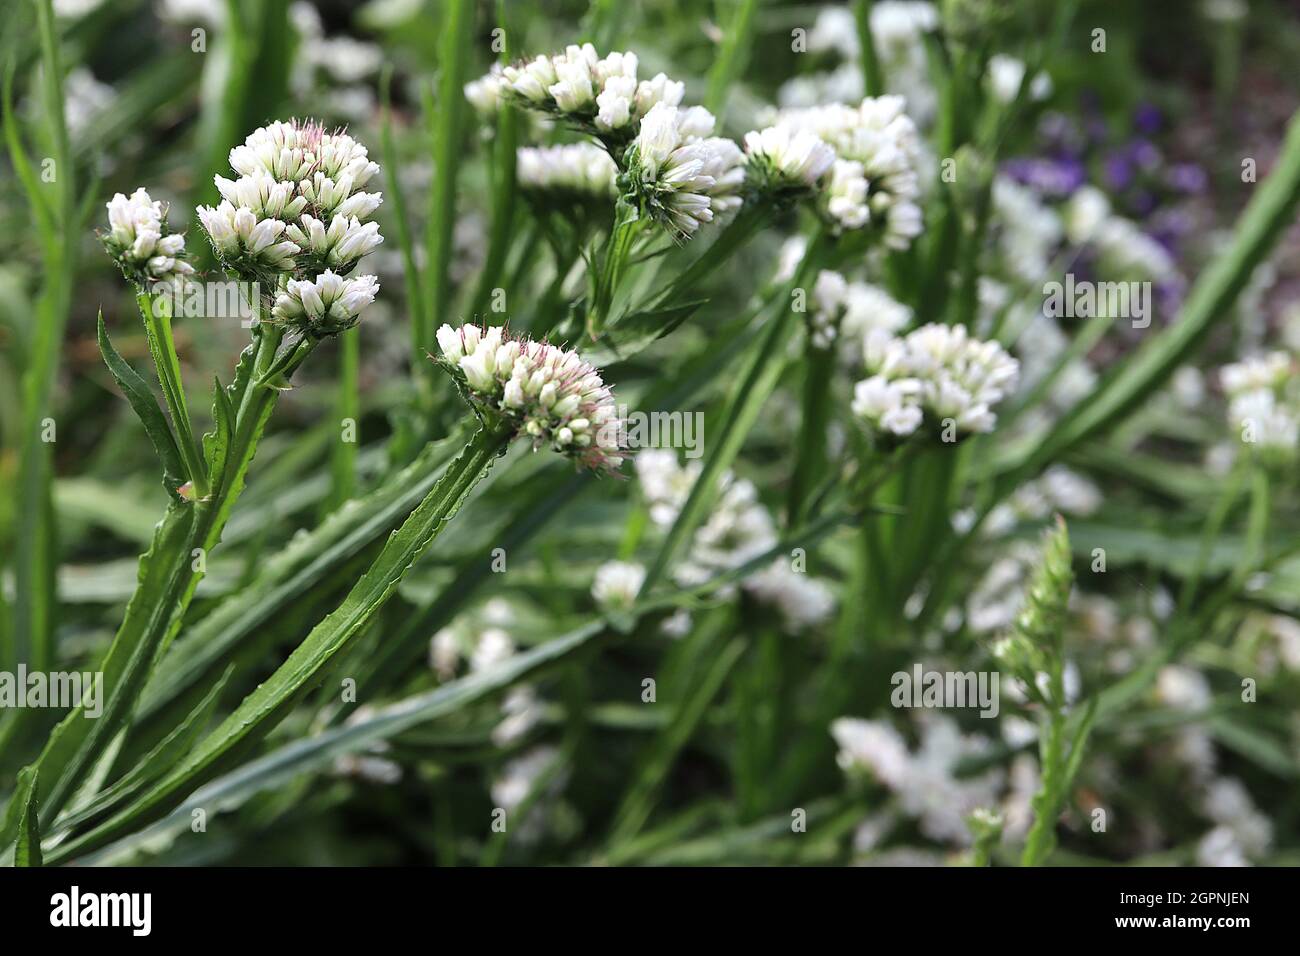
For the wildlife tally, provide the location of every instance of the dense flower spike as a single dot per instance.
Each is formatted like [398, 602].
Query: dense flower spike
[298, 208]
[579, 170]
[325, 306]
[548, 393]
[138, 241]
[938, 372]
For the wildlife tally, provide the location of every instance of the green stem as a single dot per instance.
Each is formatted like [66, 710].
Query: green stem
[628, 223]
[872, 82]
[158, 330]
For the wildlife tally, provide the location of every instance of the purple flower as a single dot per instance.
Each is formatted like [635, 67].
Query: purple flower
[1186, 177]
[1147, 119]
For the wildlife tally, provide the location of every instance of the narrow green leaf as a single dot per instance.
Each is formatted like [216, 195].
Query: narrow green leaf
[263, 709]
[146, 408]
[28, 851]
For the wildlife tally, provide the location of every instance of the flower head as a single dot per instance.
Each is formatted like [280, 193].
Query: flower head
[548, 393]
[949, 377]
[138, 240]
[298, 207]
[599, 95]
[579, 170]
[882, 140]
[616, 585]
[680, 174]
[326, 305]
[780, 159]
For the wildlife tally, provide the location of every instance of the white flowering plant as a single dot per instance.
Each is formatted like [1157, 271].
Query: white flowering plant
[642, 428]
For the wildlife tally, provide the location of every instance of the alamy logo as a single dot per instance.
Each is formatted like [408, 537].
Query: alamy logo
[939, 689]
[59, 689]
[1084, 300]
[75, 908]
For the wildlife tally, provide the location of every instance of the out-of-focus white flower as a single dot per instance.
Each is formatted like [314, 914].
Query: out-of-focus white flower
[924, 781]
[522, 710]
[138, 240]
[84, 100]
[485, 93]
[779, 158]
[325, 305]
[1220, 848]
[209, 13]
[872, 746]
[1263, 402]
[939, 369]
[889, 406]
[665, 484]
[550, 394]
[677, 624]
[1087, 209]
[804, 602]
[444, 652]
[494, 646]
[1228, 803]
[1028, 231]
[1182, 688]
[1126, 252]
[1005, 74]
[617, 584]
[521, 777]
[580, 169]
[345, 58]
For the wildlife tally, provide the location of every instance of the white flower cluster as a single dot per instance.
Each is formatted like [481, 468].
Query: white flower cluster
[1123, 250]
[138, 241]
[579, 170]
[550, 394]
[1241, 832]
[483, 638]
[925, 782]
[739, 530]
[617, 584]
[875, 177]
[780, 159]
[298, 205]
[1263, 402]
[937, 371]
[598, 94]
[1006, 73]
[1057, 490]
[327, 304]
[1028, 231]
[295, 217]
[851, 311]
[898, 29]
[681, 174]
